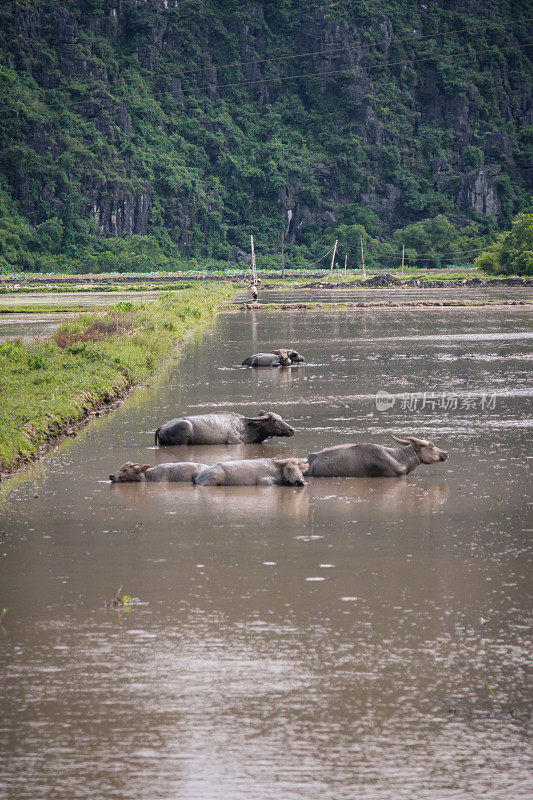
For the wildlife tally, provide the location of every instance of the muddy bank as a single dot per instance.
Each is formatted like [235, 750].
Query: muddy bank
[379, 304]
[69, 430]
[389, 281]
[316, 280]
[51, 388]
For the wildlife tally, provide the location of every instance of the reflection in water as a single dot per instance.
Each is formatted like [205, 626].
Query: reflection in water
[30, 326]
[75, 298]
[270, 503]
[358, 294]
[334, 641]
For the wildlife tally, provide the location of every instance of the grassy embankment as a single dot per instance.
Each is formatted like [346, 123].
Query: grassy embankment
[47, 386]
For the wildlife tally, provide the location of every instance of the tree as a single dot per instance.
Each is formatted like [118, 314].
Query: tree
[512, 253]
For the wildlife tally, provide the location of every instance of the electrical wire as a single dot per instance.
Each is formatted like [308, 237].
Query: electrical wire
[366, 46]
[403, 62]
[321, 257]
[421, 256]
[347, 47]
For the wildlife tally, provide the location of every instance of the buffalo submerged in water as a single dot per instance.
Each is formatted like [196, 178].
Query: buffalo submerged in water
[173, 472]
[374, 460]
[276, 358]
[222, 428]
[254, 472]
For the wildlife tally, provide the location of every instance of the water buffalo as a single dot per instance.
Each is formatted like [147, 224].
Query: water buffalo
[294, 355]
[223, 428]
[374, 460]
[278, 358]
[254, 472]
[181, 471]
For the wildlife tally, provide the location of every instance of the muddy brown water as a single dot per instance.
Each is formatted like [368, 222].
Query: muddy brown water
[75, 298]
[358, 294]
[31, 326]
[351, 639]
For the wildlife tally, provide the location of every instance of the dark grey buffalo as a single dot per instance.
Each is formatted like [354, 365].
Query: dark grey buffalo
[374, 460]
[181, 471]
[277, 358]
[223, 428]
[280, 358]
[255, 472]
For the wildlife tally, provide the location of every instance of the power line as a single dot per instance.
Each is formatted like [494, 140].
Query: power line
[346, 47]
[323, 256]
[404, 62]
[366, 46]
[432, 254]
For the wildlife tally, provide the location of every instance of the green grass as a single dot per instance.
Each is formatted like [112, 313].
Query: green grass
[46, 387]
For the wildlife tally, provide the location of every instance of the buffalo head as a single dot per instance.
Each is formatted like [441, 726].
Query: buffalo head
[273, 424]
[283, 356]
[426, 451]
[129, 473]
[292, 470]
[295, 357]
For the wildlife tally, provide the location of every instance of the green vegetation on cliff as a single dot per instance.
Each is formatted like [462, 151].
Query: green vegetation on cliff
[138, 136]
[47, 386]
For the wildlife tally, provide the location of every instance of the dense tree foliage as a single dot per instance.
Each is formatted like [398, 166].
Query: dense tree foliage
[154, 133]
[511, 253]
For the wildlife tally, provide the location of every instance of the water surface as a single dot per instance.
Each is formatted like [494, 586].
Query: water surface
[356, 294]
[31, 326]
[75, 298]
[351, 639]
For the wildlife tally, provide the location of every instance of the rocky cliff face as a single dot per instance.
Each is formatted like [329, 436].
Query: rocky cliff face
[479, 193]
[383, 125]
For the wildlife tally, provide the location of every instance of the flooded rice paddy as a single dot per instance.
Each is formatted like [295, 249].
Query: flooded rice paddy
[351, 639]
[74, 298]
[356, 294]
[31, 326]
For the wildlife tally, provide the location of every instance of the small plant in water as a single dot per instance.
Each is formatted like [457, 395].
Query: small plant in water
[3, 612]
[119, 600]
[489, 687]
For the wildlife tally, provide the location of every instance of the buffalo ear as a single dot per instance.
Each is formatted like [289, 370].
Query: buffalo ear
[144, 467]
[263, 413]
[276, 352]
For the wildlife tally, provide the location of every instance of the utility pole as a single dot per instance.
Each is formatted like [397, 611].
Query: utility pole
[363, 258]
[282, 254]
[403, 254]
[254, 268]
[333, 257]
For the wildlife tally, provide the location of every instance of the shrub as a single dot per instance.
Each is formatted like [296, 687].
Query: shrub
[95, 332]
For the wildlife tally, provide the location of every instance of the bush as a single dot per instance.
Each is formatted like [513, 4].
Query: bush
[511, 254]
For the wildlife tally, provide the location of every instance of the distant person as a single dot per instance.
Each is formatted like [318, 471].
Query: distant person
[254, 293]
